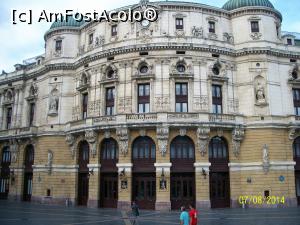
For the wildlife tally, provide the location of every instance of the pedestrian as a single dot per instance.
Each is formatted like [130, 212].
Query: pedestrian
[184, 216]
[135, 212]
[193, 215]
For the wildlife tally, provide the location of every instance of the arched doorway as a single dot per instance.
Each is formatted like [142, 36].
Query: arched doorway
[296, 148]
[83, 173]
[28, 172]
[143, 178]
[109, 173]
[5, 172]
[182, 172]
[219, 173]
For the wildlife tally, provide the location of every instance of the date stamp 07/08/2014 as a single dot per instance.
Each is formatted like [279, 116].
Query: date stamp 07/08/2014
[260, 200]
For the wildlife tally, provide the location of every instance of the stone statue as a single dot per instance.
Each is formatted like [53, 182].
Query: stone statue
[266, 158]
[260, 93]
[53, 102]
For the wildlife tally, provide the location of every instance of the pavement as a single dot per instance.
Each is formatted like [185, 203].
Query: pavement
[23, 213]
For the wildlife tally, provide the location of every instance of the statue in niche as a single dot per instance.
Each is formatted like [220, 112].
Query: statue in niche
[260, 93]
[53, 102]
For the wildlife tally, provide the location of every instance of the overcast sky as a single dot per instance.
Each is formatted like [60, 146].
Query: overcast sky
[22, 41]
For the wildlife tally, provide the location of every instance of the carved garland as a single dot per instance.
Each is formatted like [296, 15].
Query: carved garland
[162, 137]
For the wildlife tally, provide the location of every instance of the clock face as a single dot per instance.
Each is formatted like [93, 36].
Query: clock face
[145, 23]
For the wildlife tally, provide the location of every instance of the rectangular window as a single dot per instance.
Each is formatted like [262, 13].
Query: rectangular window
[289, 41]
[114, 30]
[8, 118]
[179, 23]
[254, 27]
[217, 99]
[110, 101]
[296, 98]
[85, 99]
[144, 98]
[181, 90]
[212, 27]
[31, 114]
[58, 45]
[91, 38]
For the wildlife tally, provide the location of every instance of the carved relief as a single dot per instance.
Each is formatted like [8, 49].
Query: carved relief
[100, 40]
[203, 137]
[201, 103]
[256, 36]
[162, 103]
[123, 137]
[14, 145]
[218, 71]
[294, 73]
[49, 161]
[266, 158]
[197, 32]
[182, 132]
[227, 37]
[70, 139]
[162, 134]
[91, 137]
[292, 133]
[238, 135]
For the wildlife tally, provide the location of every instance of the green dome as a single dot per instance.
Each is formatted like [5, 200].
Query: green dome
[235, 4]
[70, 23]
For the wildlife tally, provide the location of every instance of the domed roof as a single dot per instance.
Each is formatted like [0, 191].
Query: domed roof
[235, 4]
[72, 22]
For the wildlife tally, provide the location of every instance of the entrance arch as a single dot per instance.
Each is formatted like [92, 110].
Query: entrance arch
[219, 183]
[144, 177]
[5, 172]
[83, 173]
[28, 172]
[109, 173]
[296, 153]
[182, 172]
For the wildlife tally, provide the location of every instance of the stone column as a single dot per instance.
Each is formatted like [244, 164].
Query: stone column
[163, 201]
[94, 181]
[202, 185]
[125, 185]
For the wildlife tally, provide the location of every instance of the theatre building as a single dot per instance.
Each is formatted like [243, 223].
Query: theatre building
[201, 106]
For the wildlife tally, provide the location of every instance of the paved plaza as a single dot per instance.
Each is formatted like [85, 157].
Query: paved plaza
[16, 213]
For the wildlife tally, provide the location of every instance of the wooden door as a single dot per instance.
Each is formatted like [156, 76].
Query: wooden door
[219, 189]
[27, 192]
[297, 175]
[109, 190]
[83, 188]
[182, 190]
[144, 191]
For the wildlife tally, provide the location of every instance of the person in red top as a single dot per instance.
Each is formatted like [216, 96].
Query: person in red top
[193, 215]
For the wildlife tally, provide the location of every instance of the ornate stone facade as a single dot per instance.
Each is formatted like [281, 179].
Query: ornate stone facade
[199, 91]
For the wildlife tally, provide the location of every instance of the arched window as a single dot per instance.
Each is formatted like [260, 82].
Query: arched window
[29, 155]
[144, 148]
[5, 156]
[83, 152]
[109, 149]
[296, 147]
[182, 147]
[218, 149]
